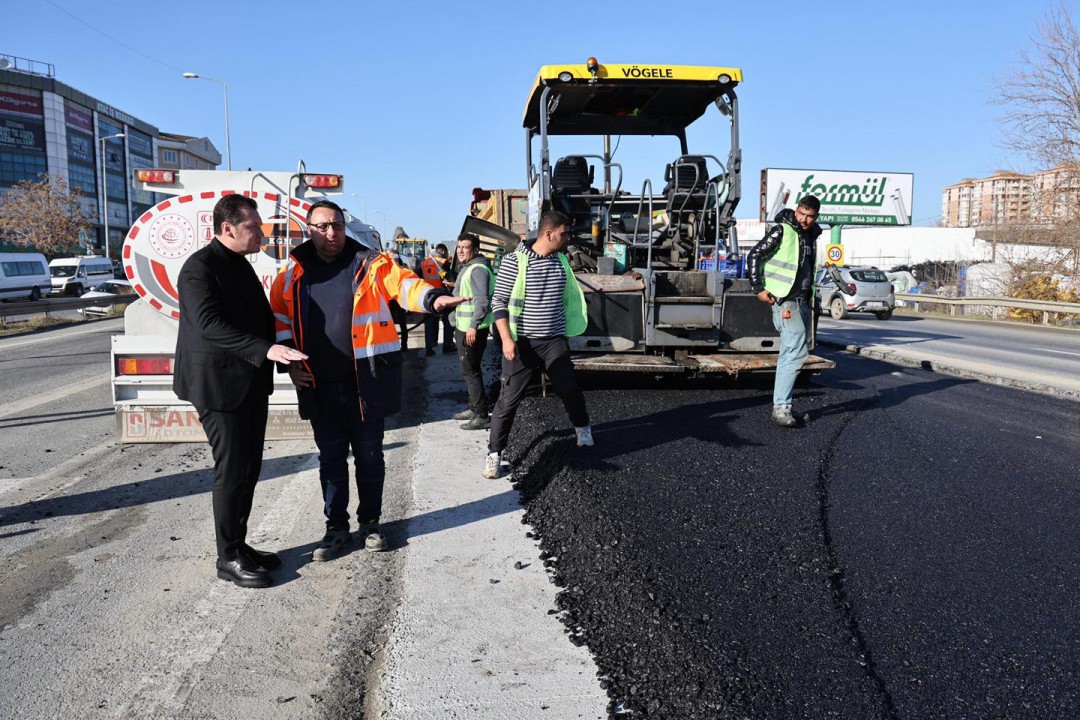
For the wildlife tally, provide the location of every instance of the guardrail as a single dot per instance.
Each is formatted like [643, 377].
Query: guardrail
[1044, 306]
[46, 306]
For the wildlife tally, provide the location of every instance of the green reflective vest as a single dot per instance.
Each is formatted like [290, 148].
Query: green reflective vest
[464, 313]
[573, 299]
[780, 270]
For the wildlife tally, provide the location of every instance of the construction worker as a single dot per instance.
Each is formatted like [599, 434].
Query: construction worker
[434, 269]
[331, 302]
[537, 303]
[475, 282]
[781, 272]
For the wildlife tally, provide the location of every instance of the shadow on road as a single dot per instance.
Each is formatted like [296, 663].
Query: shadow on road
[163, 487]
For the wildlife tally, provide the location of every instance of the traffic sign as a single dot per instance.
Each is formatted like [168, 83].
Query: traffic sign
[835, 254]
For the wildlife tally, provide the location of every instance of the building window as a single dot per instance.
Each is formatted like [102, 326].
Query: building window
[115, 186]
[16, 167]
[169, 156]
[82, 177]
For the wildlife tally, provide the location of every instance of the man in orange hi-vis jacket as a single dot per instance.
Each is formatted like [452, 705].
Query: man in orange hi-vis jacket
[434, 269]
[331, 302]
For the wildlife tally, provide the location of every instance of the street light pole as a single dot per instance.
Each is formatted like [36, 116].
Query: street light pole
[363, 200]
[225, 90]
[104, 192]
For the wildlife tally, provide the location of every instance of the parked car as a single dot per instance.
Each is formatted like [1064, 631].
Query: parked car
[111, 289]
[872, 293]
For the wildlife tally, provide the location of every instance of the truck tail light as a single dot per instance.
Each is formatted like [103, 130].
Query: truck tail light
[144, 365]
[322, 181]
[159, 177]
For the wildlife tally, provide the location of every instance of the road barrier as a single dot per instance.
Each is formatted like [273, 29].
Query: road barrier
[1046, 307]
[46, 306]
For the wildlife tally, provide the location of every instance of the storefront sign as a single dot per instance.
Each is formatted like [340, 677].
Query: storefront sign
[20, 104]
[22, 134]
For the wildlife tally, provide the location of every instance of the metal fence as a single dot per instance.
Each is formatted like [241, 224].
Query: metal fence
[1046, 307]
[46, 306]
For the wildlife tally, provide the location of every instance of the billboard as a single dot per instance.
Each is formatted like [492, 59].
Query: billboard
[847, 197]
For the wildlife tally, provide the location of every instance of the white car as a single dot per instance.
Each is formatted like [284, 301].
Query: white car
[109, 288]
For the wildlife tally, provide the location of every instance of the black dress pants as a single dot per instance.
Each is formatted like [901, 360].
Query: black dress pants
[470, 359]
[236, 440]
[550, 355]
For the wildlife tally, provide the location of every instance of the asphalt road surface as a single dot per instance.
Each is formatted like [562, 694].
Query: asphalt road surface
[910, 553]
[1030, 354]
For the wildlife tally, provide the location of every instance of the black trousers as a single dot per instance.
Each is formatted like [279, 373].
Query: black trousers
[432, 323]
[236, 441]
[550, 355]
[470, 359]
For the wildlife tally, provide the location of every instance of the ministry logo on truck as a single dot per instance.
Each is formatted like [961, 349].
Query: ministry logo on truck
[171, 236]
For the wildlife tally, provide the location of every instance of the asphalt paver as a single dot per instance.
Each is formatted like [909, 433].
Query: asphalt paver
[911, 552]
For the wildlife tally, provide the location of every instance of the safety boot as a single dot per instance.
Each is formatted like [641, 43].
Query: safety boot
[781, 415]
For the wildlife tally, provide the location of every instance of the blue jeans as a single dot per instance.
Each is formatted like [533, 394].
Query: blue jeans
[794, 347]
[339, 427]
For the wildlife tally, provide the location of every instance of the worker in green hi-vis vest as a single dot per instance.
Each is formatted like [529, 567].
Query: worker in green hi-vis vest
[781, 272]
[472, 321]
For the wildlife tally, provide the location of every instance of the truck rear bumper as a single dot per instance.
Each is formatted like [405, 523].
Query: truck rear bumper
[722, 363]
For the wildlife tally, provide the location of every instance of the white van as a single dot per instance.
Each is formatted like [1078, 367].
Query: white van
[76, 275]
[23, 275]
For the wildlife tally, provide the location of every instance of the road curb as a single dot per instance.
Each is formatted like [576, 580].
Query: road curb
[924, 362]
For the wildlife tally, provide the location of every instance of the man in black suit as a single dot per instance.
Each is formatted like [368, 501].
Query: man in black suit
[225, 355]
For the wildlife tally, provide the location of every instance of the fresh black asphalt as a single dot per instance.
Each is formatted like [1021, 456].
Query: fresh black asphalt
[912, 552]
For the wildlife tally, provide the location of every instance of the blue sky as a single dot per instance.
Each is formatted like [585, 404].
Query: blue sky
[416, 103]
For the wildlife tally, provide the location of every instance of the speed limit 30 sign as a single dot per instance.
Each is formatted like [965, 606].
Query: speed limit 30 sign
[835, 254]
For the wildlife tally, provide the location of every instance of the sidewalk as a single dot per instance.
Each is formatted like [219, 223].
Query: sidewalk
[476, 635]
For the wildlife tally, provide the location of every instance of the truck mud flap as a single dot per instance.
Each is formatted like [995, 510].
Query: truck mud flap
[180, 423]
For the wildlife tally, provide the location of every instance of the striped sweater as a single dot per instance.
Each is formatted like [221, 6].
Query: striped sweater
[543, 315]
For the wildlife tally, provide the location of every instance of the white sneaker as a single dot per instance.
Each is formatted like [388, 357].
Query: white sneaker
[492, 465]
[584, 436]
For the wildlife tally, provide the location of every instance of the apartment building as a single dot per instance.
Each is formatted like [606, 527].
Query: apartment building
[1012, 198]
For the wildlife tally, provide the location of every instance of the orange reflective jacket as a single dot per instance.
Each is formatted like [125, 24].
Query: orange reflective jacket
[378, 280]
[432, 271]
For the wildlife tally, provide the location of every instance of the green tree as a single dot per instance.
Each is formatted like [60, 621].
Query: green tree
[46, 215]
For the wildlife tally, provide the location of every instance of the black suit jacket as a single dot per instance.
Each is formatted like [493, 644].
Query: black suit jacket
[226, 329]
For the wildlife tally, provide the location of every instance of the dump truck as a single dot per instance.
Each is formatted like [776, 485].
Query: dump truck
[156, 247]
[659, 264]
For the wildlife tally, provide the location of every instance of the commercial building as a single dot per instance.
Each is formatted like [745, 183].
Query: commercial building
[49, 127]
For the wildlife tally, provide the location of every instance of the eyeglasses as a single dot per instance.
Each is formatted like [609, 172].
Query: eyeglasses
[323, 227]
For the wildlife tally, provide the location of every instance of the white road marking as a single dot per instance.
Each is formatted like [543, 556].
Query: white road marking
[63, 471]
[18, 407]
[189, 647]
[1059, 352]
[59, 335]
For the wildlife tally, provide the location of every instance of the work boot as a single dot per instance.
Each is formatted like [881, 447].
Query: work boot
[373, 538]
[584, 436]
[464, 415]
[494, 466]
[333, 545]
[781, 415]
[477, 422]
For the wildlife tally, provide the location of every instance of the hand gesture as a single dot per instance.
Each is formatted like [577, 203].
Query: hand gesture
[300, 376]
[446, 302]
[470, 337]
[766, 297]
[284, 354]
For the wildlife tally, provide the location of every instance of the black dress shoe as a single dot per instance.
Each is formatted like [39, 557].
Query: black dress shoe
[243, 572]
[265, 560]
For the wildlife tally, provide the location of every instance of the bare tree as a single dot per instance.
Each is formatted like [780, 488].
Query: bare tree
[1042, 96]
[46, 215]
